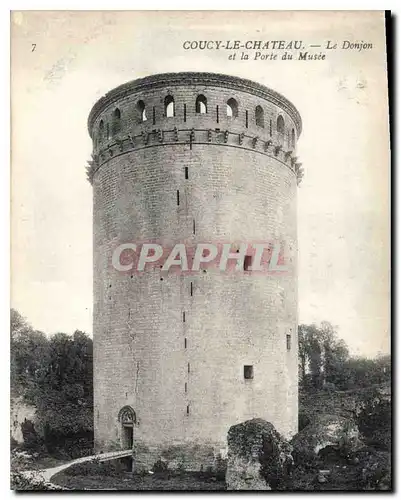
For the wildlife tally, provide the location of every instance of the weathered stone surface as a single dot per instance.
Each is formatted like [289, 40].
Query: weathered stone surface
[337, 432]
[259, 458]
[21, 412]
[199, 328]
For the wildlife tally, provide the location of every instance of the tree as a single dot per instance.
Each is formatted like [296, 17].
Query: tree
[324, 358]
[55, 375]
[322, 354]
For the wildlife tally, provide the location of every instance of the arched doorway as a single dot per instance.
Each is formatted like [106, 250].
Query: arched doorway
[127, 419]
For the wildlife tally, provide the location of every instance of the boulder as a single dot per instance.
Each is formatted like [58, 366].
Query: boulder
[259, 458]
[332, 432]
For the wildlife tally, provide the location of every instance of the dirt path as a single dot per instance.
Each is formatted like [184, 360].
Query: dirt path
[45, 475]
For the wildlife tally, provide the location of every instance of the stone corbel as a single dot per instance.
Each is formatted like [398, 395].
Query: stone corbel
[145, 137]
[268, 144]
[120, 144]
[192, 135]
[209, 135]
[175, 134]
[300, 174]
[254, 141]
[226, 136]
[160, 135]
[90, 170]
[110, 151]
[277, 149]
[131, 140]
[241, 138]
[287, 155]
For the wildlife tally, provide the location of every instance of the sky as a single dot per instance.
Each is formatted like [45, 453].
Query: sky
[62, 63]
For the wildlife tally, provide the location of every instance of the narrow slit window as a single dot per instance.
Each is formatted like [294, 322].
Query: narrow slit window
[178, 197]
[192, 289]
[187, 409]
[185, 112]
[186, 387]
[271, 128]
[217, 114]
[186, 172]
[201, 105]
[183, 317]
[193, 226]
[246, 119]
[154, 115]
[288, 342]
[169, 110]
[185, 343]
[247, 262]
[189, 368]
[248, 372]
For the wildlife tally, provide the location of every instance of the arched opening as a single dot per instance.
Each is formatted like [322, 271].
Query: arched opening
[169, 109]
[127, 419]
[201, 104]
[101, 130]
[280, 129]
[293, 138]
[259, 116]
[232, 108]
[280, 124]
[142, 111]
[116, 121]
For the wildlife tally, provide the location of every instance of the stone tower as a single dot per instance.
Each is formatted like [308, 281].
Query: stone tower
[179, 358]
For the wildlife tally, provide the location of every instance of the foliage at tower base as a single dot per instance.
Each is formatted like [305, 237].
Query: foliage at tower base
[54, 375]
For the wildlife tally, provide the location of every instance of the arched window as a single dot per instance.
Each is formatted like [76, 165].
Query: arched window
[259, 116]
[293, 138]
[169, 109]
[280, 124]
[127, 416]
[201, 104]
[232, 108]
[101, 131]
[142, 111]
[116, 121]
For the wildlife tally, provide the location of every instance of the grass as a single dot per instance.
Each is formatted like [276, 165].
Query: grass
[164, 481]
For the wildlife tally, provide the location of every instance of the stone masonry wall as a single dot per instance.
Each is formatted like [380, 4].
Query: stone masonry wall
[183, 375]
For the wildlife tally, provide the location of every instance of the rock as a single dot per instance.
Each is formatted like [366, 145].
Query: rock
[259, 458]
[326, 431]
[321, 479]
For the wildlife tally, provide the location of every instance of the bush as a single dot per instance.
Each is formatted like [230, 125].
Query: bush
[159, 466]
[374, 421]
[110, 468]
